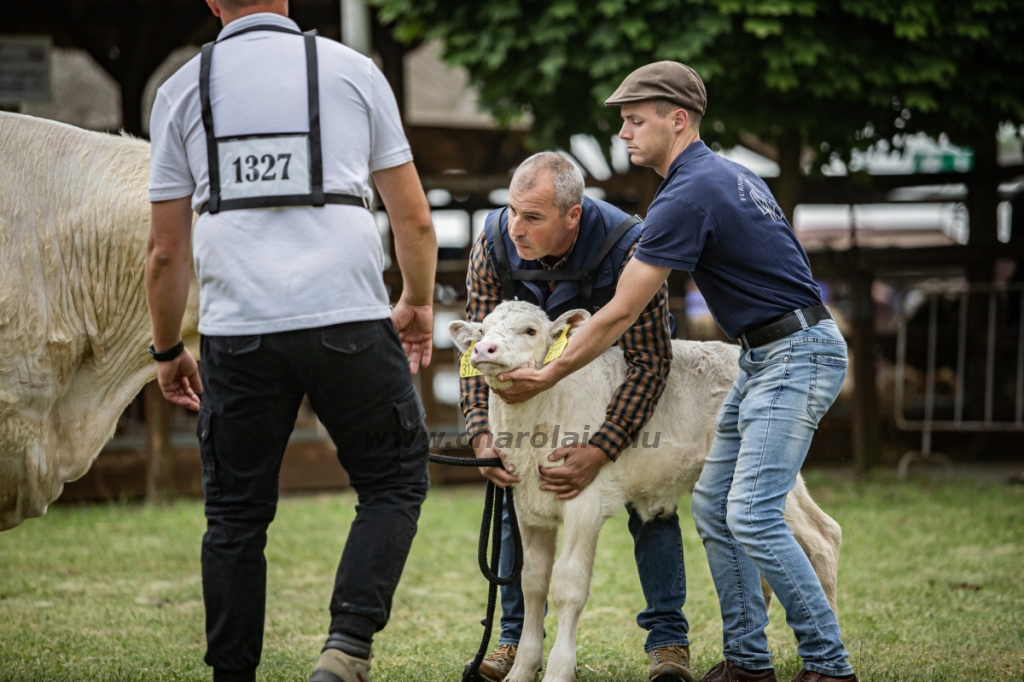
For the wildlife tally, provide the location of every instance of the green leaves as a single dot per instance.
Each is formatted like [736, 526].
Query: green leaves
[826, 68]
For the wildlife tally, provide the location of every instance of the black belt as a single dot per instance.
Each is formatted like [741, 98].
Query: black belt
[784, 326]
[300, 200]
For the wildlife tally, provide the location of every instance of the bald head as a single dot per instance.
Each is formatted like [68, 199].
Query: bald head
[563, 179]
[229, 10]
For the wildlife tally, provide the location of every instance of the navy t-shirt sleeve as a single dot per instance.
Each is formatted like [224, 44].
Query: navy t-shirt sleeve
[675, 234]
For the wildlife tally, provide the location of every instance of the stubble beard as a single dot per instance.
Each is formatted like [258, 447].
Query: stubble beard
[652, 155]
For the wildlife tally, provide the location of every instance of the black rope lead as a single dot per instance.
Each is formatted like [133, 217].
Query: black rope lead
[490, 527]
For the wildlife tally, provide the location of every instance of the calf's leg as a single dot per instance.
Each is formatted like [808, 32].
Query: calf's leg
[538, 556]
[570, 585]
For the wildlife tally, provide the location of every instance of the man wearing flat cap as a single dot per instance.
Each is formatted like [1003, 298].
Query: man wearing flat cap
[719, 222]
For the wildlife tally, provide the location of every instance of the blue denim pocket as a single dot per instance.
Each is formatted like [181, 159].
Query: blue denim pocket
[769, 354]
[828, 372]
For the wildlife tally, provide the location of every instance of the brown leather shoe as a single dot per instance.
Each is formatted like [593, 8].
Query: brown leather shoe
[806, 675]
[496, 664]
[670, 664]
[729, 672]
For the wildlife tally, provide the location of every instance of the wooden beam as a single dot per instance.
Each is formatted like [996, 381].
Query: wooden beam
[159, 415]
[865, 417]
[845, 264]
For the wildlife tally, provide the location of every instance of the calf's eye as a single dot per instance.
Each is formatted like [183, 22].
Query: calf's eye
[530, 331]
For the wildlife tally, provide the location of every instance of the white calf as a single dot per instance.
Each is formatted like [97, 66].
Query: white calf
[651, 475]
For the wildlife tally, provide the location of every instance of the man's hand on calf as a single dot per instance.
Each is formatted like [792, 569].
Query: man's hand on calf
[526, 383]
[484, 449]
[582, 464]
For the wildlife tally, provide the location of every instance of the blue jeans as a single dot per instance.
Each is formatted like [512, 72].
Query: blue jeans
[658, 548]
[764, 430]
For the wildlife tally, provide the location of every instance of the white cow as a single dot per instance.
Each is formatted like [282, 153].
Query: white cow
[74, 324]
[651, 479]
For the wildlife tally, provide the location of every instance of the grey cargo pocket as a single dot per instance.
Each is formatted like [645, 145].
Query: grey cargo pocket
[413, 445]
[236, 345]
[204, 432]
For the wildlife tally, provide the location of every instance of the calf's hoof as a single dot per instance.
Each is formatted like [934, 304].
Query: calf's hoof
[555, 672]
[522, 673]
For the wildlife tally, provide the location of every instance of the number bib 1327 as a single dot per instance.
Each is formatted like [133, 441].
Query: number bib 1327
[264, 166]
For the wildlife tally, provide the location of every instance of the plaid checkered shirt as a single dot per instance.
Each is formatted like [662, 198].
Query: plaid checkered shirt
[646, 345]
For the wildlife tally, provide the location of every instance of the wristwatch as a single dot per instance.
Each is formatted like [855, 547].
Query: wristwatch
[167, 355]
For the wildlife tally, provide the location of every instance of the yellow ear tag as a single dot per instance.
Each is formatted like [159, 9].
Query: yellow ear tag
[558, 347]
[466, 368]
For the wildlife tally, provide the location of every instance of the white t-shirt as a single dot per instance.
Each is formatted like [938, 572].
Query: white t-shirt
[276, 269]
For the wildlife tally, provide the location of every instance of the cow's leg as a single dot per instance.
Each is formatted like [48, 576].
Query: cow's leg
[538, 556]
[570, 584]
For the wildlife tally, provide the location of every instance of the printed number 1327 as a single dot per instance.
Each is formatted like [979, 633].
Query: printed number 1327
[261, 168]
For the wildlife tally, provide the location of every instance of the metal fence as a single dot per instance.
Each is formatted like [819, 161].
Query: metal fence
[972, 410]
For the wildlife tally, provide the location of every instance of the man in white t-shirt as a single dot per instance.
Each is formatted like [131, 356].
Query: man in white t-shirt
[271, 136]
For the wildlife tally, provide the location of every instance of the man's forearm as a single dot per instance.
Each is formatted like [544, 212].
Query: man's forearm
[168, 267]
[417, 259]
[638, 284]
[415, 242]
[593, 339]
[647, 349]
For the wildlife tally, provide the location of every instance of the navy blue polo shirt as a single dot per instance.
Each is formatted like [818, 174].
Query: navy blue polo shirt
[718, 221]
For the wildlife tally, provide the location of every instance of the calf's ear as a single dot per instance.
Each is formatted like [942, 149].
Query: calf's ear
[464, 333]
[574, 318]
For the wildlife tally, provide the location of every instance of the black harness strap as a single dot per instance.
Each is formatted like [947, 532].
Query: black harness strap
[493, 505]
[293, 200]
[508, 287]
[584, 277]
[212, 157]
[316, 196]
[316, 157]
[587, 282]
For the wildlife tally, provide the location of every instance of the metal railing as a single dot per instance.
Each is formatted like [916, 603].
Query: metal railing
[962, 293]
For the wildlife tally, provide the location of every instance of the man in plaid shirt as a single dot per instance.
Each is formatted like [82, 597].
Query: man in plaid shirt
[550, 226]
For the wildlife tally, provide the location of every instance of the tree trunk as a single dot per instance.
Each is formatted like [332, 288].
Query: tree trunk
[983, 191]
[982, 206]
[131, 105]
[787, 189]
[392, 55]
[865, 417]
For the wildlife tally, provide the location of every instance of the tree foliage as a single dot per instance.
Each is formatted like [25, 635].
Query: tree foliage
[839, 74]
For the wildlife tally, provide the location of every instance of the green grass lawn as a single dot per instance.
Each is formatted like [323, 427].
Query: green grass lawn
[931, 588]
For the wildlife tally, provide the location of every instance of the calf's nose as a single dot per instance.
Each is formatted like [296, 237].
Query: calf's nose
[483, 352]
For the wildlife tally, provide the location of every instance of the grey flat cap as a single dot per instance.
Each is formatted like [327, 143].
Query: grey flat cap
[675, 82]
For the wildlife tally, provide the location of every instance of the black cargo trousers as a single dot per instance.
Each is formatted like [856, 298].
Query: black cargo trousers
[357, 378]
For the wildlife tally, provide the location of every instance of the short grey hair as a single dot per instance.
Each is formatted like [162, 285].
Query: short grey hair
[565, 177]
